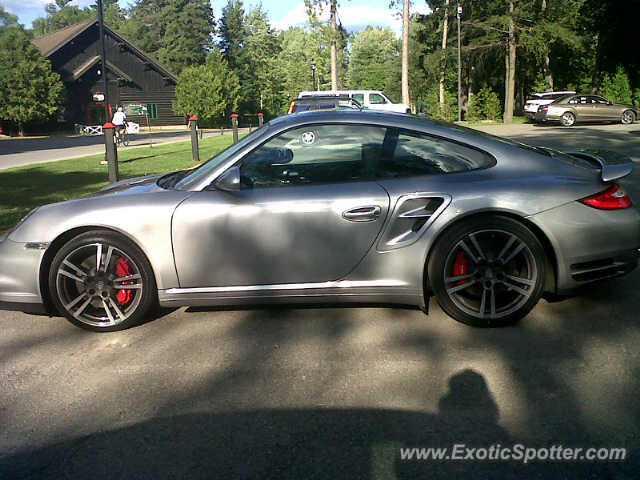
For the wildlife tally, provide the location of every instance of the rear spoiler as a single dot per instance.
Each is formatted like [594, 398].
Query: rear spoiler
[612, 165]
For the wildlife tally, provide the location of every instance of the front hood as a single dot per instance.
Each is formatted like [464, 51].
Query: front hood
[129, 186]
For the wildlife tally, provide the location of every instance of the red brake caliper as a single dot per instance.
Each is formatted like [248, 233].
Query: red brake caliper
[460, 267]
[122, 270]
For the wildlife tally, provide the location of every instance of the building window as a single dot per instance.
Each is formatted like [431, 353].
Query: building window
[152, 110]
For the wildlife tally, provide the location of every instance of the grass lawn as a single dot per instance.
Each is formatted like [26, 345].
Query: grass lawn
[24, 188]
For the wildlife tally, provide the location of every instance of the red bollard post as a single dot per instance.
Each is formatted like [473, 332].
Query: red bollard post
[260, 119]
[234, 124]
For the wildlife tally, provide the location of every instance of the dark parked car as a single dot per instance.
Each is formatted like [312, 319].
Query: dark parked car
[323, 102]
[586, 108]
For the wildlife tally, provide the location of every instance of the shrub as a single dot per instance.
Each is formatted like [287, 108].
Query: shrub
[484, 105]
[617, 87]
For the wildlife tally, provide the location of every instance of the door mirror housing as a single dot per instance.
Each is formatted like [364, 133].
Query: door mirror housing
[229, 181]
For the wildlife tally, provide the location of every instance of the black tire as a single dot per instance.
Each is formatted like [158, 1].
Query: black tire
[492, 234]
[568, 119]
[628, 117]
[125, 140]
[101, 287]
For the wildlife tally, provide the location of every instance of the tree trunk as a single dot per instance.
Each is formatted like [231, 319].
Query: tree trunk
[470, 85]
[334, 47]
[443, 66]
[548, 77]
[510, 63]
[21, 129]
[405, 53]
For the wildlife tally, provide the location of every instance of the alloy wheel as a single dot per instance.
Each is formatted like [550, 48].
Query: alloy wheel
[568, 119]
[490, 274]
[99, 284]
[627, 117]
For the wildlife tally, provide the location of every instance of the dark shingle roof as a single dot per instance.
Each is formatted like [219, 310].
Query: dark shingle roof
[51, 42]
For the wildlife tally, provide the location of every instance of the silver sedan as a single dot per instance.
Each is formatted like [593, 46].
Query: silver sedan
[333, 207]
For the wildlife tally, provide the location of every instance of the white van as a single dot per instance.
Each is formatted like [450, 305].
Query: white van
[371, 99]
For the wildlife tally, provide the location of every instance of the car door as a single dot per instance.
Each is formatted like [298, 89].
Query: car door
[584, 108]
[602, 110]
[378, 102]
[308, 211]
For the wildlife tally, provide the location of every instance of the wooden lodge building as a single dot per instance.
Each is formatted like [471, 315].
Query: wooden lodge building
[134, 78]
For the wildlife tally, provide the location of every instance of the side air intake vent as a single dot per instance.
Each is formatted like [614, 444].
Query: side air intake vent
[411, 217]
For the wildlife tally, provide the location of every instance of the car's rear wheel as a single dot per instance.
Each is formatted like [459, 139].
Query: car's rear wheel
[101, 281]
[628, 117]
[487, 271]
[568, 119]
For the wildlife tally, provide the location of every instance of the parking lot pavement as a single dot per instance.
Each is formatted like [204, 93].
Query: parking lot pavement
[617, 137]
[321, 392]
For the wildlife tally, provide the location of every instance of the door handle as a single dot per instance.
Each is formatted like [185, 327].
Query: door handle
[362, 214]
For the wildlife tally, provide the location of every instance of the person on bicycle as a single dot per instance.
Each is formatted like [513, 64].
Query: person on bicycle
[120, 121]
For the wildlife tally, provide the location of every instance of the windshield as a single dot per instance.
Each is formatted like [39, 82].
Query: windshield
[197, 175]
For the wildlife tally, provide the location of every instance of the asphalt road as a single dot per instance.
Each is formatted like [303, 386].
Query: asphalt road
[326, 392]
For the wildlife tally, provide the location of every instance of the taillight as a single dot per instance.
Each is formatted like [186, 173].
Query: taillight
[613, 198]
[543, 108]
[291, 107]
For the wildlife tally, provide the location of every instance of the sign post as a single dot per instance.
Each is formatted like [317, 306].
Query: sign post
[145, 110]
[193, 125]
[260, 119]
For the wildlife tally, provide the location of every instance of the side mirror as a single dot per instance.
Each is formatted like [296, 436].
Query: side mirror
[230, 180]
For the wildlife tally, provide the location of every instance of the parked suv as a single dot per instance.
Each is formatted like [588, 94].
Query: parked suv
[537, 99]
[323, 102]
[371, 99]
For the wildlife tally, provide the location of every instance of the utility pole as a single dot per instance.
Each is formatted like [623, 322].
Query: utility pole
[459, 67]
[111, 152]
[405, 52]
[103, 61]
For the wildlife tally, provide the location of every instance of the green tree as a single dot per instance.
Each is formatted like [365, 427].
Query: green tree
[59, 15]
[29, 89]
[375, 61]
[263, 88]
[7, 19]
[209, 91]
[177, 32]
[616, 87]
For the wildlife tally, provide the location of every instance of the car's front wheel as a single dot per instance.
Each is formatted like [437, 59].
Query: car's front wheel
[101, 281]
[487, 271]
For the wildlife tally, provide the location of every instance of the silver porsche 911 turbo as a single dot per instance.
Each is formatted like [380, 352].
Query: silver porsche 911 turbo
[333, 207]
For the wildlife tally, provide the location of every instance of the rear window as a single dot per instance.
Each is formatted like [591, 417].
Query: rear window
[301, 107]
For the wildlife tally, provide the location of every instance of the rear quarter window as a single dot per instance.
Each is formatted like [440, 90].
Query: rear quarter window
[417, 154]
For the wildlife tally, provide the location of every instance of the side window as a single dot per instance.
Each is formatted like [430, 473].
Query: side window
[418, 154]
[358, 97]
[573, 101]
[583, 100]
[600, 100]
[314, 154]
[376, 99]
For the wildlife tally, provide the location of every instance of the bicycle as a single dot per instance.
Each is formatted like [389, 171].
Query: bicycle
[121, 138]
